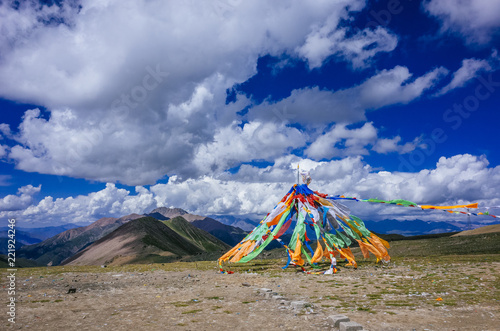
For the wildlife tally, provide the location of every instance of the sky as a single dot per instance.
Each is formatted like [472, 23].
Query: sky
[115, 107]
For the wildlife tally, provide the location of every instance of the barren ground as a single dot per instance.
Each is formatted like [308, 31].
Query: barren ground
[193, 296]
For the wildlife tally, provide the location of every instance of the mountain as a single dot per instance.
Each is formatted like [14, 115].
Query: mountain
[244, 223]
[54, 250]
[30, 236]
[145, 239]
[22, 238]
[47, 232]
[229, 234]
[410, 228]
[202, 239]
[164, 213]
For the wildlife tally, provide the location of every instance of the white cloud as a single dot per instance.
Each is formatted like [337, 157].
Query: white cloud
[254, 140]
[477, 21]
[393, 86]
[136, 148]
[5, 130]
[3, 150]
[387, 145]
[469, 69]
[315, 107]
[103, 52]
[21, 200]
[108, 202]
[254, 191]
[358, 49]
[341, 141]
[136, 90]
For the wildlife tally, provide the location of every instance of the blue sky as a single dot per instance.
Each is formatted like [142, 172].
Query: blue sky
[115, 108]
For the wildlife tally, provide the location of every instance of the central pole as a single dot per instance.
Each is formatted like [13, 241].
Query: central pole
[298, 173]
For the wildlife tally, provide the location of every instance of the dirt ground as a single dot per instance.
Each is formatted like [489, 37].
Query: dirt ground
[453, 293]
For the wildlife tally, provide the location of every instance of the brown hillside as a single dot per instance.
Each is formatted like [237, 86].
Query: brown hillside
[481, 230]
[136, 241]
[63, 245]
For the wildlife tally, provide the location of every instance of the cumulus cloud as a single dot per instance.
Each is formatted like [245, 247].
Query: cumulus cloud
[385, 88]
[108, 202]
[254, 140]
[21, 200]
[477, 21]
[254, 191]
[94, 58]
[132, 100]
[341, 141]
[199, 136]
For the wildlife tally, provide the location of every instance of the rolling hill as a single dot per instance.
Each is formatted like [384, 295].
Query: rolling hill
[482, 230]
[144, 240]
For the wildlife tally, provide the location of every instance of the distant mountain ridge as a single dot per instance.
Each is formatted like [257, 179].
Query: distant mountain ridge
[147, 239]
[244, 223]
[204, 234]
[410, 228]
[387, 226]
[54, 250]
[165, 213]
[169, 212]
[199, 234]
[226, 233]
[34, 235]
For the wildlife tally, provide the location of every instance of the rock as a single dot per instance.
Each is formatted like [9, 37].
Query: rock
[298, 304]
[269, 295]
[336, 319]
[350, 326]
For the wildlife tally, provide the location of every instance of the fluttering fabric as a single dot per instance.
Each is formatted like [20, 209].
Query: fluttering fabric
[320, 222]
[323, 229]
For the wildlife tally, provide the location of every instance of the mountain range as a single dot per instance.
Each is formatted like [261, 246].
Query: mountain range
[165, 234]
[102, 241]
[241, 222]
[29, 236]
[410, 228]
[388, 226]
[147, 239]
[229, 234]
[54, 250]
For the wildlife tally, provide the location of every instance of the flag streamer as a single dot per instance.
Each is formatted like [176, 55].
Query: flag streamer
[323, 228]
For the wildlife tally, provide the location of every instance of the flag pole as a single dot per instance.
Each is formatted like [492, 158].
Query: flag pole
[298, 173]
